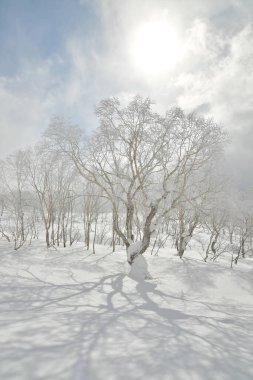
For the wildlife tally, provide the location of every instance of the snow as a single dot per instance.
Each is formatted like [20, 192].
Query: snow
[138, 270]
[133, 248]
[70, 314]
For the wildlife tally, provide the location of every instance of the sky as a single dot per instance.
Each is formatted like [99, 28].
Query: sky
[61, 57]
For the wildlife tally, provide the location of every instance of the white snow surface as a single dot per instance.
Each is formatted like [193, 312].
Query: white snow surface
[133, 248]
[139, 268]
[68, 314]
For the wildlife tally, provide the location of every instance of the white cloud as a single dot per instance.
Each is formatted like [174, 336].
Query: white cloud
[214, 74]
[225, 88]
[25, 101]
[225, 82]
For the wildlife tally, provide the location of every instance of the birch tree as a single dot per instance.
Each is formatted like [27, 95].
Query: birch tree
[140, 160]
[14, 182]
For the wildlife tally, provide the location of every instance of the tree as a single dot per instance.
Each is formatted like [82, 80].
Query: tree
[52, 180]
[141, 161]
[202, 188]
[16, 202]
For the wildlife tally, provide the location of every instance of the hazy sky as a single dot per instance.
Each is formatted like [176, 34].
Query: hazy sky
[60, 57]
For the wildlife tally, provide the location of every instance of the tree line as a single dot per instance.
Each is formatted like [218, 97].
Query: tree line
[136, 180]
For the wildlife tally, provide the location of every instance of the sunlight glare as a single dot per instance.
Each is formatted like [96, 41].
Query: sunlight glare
[155, 47]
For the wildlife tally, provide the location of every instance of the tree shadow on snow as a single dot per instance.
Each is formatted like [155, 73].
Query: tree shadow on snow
[117, 328]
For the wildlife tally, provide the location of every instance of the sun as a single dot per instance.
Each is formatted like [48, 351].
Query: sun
[154, 47]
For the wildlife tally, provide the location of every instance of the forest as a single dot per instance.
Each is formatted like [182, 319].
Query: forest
[140, 180]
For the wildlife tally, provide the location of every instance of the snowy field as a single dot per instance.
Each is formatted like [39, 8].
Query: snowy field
[72, 315]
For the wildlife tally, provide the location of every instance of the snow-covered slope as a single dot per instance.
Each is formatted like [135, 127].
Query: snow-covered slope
[69, 314]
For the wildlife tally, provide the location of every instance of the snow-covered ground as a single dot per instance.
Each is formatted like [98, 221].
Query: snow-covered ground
[69, 314]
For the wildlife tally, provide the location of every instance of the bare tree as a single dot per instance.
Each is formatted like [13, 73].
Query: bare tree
[52, 180]
[14, 182]
[140, 160]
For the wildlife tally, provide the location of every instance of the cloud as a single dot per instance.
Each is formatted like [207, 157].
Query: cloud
[224, 86]
[25, 101]
[214, 75]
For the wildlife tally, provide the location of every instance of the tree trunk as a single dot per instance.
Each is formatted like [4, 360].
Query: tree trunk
[139, 267]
